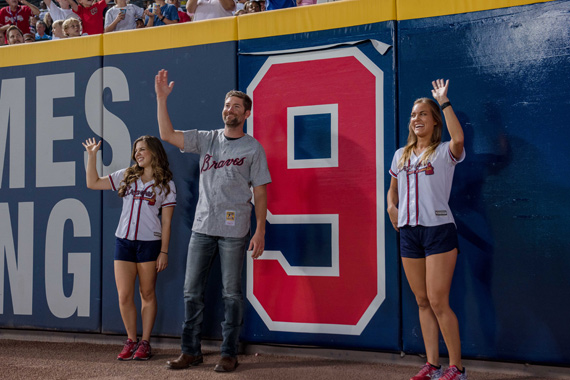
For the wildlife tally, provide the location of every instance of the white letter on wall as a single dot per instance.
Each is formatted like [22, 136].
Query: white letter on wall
[13, 112]
[20, 271]
[105, 124]
[50, 129]
[78, 264]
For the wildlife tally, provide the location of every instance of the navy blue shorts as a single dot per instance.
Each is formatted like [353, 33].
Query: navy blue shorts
[419, 242]
[137, 251]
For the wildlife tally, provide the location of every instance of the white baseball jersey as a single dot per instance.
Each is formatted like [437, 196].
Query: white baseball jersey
[139, 217]
[423, 190]
[229, 168]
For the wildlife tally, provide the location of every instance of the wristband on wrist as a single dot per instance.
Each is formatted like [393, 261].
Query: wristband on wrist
[162, 19]
[445, 105]
[166, 253]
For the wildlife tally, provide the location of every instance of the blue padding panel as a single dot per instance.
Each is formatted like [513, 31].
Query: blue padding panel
[50, 267]
[312, 136]
[506, 70]
[298, 242]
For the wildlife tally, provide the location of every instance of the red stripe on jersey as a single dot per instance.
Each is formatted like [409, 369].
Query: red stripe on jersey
[417, 199]
[392, 173]
[112, 184]
[131, 216]
[168, 204]
[451, 155]
[408, 193]
[139, 211]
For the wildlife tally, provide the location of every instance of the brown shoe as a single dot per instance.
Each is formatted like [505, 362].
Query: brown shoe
[226, 364]
[184, 361]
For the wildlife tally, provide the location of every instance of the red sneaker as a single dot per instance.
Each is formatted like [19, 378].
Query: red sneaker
[428, 372]
[453, 373]
[143, 351]
[128, 350]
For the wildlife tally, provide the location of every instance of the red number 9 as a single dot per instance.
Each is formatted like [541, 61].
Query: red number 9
[343, 189]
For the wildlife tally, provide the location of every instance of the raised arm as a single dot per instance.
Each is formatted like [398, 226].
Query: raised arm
[35, 10]
[439, 93]
[94, 182]
[392, 201]
[73, 5]
[257, 243]
[167, 132]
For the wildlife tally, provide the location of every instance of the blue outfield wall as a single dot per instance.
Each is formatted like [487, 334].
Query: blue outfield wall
[508, 88]
[330, 119]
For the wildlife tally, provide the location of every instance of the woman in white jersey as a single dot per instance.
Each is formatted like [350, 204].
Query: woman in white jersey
[141, 247]
[422, 173]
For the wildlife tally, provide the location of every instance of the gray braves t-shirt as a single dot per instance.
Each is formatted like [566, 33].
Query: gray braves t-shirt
[228, 171]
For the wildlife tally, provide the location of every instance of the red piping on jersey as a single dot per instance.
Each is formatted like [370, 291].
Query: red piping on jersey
[112, 184]
[131, 216]
[168, 204]
[451, 155]
[417, 198]
[408, 193]
[139, 211]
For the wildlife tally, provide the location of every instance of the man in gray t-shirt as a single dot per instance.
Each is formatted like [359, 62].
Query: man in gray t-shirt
[231, 164]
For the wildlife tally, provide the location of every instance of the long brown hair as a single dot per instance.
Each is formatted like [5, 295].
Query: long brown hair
[160, 167]
[413, 139]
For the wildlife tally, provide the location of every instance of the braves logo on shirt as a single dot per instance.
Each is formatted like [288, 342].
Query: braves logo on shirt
[428, 169]
[209, 163]
[94, 11]
[148, 196]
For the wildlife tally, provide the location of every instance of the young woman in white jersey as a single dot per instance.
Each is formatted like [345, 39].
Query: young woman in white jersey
[141, 247]
[422, 173]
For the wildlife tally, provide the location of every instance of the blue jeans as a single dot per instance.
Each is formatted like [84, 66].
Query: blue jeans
[202, 251]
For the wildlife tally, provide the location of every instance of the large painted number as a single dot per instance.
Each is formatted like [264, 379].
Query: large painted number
[319, 117]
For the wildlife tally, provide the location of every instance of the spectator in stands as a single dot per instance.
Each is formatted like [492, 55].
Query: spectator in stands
[123, 16]
[49, 22]
[91, 14]
[41, 35]
[280, 4]
[252, 7]
[305, 2]
[262, 4]
[72, 27]
[182, 16]
[33, 20]
[43, 10]
[62, 13]
[29, 37]
[2, 38]
[140, 23]
[208, 9]
[164, 14]
[14, 35]
[19, 15]
[57, 30]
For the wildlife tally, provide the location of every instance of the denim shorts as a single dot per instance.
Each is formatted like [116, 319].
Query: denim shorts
[419, 242]
[137, 251]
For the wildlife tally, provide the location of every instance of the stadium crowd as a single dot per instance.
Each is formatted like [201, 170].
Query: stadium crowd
[23, 22]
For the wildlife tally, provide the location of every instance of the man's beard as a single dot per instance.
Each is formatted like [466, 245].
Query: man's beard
[232, 121]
